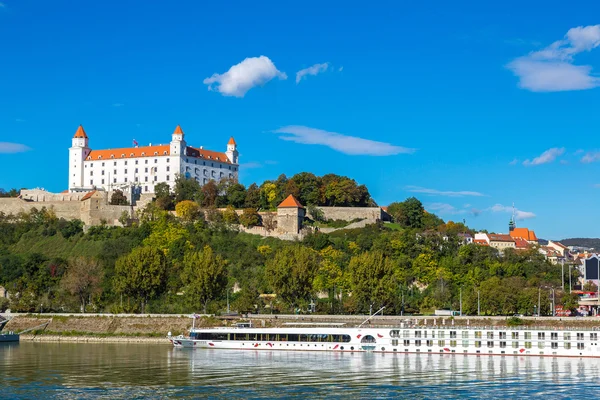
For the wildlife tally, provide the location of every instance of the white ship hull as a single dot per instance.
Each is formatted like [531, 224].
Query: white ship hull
[427, 340]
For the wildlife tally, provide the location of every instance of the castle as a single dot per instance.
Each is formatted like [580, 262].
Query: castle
[146, 166]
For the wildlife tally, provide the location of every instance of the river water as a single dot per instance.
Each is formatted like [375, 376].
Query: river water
[75, 370]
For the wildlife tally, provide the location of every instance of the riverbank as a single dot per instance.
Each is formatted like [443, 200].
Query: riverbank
[120, 328]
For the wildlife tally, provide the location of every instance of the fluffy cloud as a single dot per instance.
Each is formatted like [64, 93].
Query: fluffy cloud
[313, 70]
[590, 157]
[253, 71]
[7, 147]
[345, 144]
[435, 192]
[551, 69]
[546, 157]
[519, 215]
[442, 208]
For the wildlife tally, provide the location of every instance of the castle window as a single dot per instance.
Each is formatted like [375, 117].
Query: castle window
[165, 153]
[168, 168]
[103, 164]
[125, 162]
[205, 181]
[213, 174]
[115, 171]
[231, 175]
[155, 178]
[99, 157]
[205, 173]
[85, 166]
[143, 154]
[115, 163]
[91, 181]
[122, 155]
[114, 180]
[146, 170]
[145, 188]
[168, 159]
[221, 175]
[136, 162]
[102, 172]
[167, 177]
[146, 179]
[112, 156]
[155, 160]
[155, 153]
[125, 170]
[131, 155]
[91, 165]
[212, 164]
[136, 170]
[125, 179]
[146, 161]
[103, 181]
[91, 173]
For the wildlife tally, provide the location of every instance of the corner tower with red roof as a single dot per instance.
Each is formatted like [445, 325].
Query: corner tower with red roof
[143, 167]
[290, 214]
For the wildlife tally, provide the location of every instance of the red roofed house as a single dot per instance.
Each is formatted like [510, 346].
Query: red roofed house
[559, 247]
[501, 242]
[146, 166]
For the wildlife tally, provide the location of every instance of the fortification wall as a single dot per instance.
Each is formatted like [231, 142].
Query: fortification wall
[44, 195]
[371, 214]
[63, 209]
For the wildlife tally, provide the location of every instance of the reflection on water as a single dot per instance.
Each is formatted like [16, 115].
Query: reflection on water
[53, 370]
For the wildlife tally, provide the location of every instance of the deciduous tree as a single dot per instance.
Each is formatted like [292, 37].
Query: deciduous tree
[83, 279]
[204, 276]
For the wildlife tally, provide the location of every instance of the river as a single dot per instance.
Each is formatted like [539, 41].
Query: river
[106, 370]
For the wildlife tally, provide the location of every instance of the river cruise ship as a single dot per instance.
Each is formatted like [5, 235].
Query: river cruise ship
[514, 341]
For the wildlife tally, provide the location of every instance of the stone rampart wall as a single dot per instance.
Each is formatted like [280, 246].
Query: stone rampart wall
[44, 195]
[349, 213]
[63, 209]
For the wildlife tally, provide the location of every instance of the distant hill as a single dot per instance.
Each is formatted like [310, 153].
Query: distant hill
[583, 242]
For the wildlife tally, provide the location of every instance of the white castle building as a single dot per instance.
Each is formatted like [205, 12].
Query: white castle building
[145, 166]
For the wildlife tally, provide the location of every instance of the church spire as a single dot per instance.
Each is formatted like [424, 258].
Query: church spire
[80, 133]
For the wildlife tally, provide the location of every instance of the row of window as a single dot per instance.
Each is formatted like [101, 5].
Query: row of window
[490, 344]
[152, 170]
[115, 163]
[490, 335]
[270, 337]
[126, 180]
[211, 164]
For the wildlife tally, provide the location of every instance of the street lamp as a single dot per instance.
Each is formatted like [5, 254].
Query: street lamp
[460, 301]
[478, 305]
[227, 300]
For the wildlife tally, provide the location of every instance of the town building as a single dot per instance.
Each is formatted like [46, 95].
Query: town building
[145, 166]
[525, 234]
[501, 242]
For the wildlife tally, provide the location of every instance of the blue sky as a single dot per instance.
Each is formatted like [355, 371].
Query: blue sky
[469, 106]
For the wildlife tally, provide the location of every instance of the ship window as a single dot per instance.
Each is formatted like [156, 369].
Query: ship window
[394, 334]
[490, 335]
[515, 335]
[541, 335]
[478, 334]
[567, 336]
[453, 343]
[429, 343]
[417, 343]
[554, 345]
[515, 345]
[580, 346]
[502, 345]
[441, 343]
[527, 335]
[477, 343]
[465, 343]
[541, 345]
[567, 345]
[527, 345]
[407, 342]
[502, 335]
[490, 343]
[452, 334]
[580, 336]
[417, 334]
[554, 335]
[593, 336]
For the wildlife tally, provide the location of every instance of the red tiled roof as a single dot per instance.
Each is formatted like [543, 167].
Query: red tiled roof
[524, 233]
[481, 242]
[65, 191]
[80, 133]
[521, 243]
[88, 195]
[232, 141]
[290, 201]
[500, 238]
[207, 154]
[129, 152]
[178, 130]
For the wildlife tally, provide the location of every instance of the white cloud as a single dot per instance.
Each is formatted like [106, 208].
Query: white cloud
[514, 162]
[253, 71]
[590, 157]
[551, 69]
[435, 192]
[546, 157]
[7, 147]
[345, 144]
[519, 215]
[443, 208]
[312, 70]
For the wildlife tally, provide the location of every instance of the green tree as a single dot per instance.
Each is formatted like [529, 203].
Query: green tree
[249, 218]
[409, 213]
[235, 194]
[141, 274]
[210, 193]
[204, 276]
[83, 279]
[118, 198]
[373, 281]
[252, 199]
[185, 189]
[187, 210]
[291, 272]
[162, 189]
[230, 216]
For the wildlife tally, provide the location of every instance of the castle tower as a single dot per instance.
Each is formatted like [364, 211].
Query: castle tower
[290, 214]
[512, 224]
[177, 150]
[232, 152]
[78, 151]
